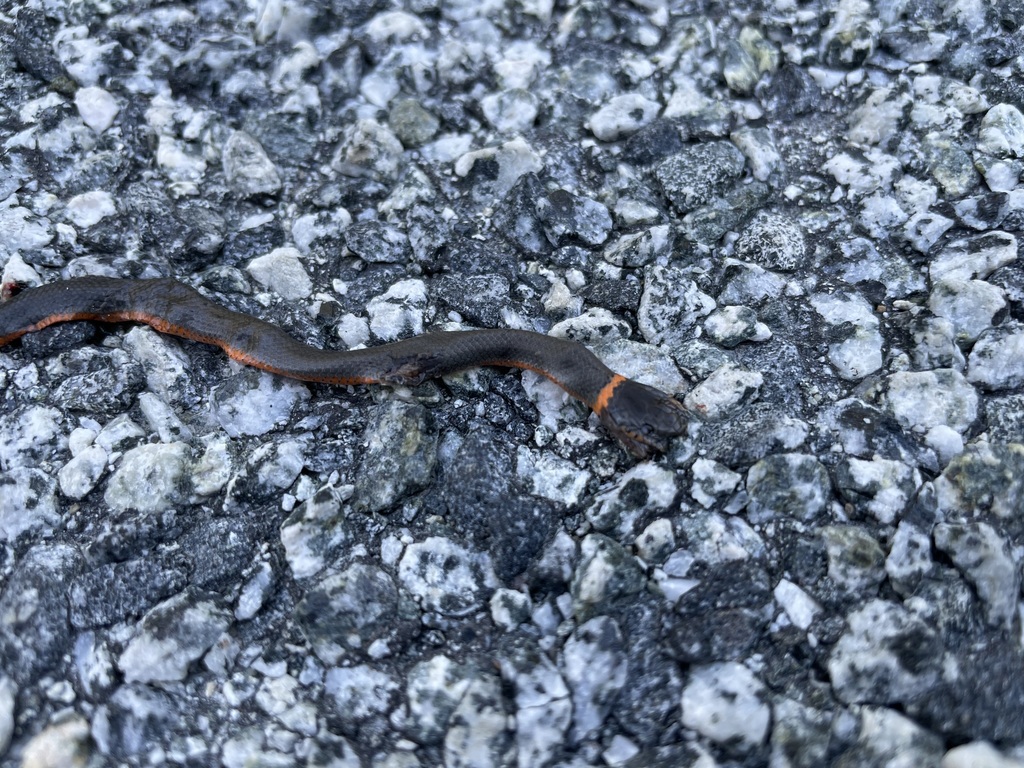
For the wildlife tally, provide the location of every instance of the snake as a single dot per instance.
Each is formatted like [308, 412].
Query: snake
[642, 418]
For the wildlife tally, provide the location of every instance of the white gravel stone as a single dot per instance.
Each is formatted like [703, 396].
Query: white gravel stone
[759, 147]
[255, 592]
[863, 175]
[921, 400]
[29, 502]
[945, 441]
[36, 433]
[985, 560]
[248, 169]
[97, 107]
[922, 230]
[656, 541]
[644, 363]
[855, 560]
[434, 689]
[618, 507]
[8, 690]
[979, 754]
[278, 464]
[792, 484]
[360, 691]
[976, 256]
[970, 305]
[445, 577]
[606, 571]
[90, 208]
[888, 738]
[637, 249]
[314, 531]
[860, 354]
[867, 664]
[395, 27]
[552, 477]
[60, 744]
[730, 326]
[80, 439]
[399, 311]
[171, 636]
[716, 538]
[352, 330]
[162, 419]
[511, 111]
[180, 161]
[16, 271]
[984, 480]
[23, 230]
[725, 703]
[881, 214]
[119, 434]
[515, 159]
[212, 470]
[150, 478]
[326, 225]
[623, 115]
[800, 607]
[510, 608]
[712, 481]
[632, 213]
[594, 663]
[1002, 132]
[80, 474]
[909, 558]
[997, 360]
[621, 751]
[242, 409]
[165, 363]
[281, 271]
[724, 392]
[1000, 175]
[883, 487]
[544, 711]
[277, 697]
[478, 728]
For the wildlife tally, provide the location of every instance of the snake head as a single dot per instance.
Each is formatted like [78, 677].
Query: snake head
[642, 418]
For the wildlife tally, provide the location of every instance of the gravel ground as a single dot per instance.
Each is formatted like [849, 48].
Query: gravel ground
[800, 216]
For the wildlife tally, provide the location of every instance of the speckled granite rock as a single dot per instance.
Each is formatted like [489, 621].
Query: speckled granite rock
[801, 218]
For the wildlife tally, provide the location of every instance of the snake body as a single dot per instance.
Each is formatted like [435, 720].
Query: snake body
[642, 418]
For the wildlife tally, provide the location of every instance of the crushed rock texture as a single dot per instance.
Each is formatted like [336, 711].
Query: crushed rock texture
[801, 217]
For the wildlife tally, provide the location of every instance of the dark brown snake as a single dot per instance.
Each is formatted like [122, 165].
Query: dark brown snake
[641, 417]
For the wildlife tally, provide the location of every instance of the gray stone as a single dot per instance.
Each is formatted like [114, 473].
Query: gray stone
[792, 484]
[400, 455]
[699, 173]
[248, 169]
[855, 560]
